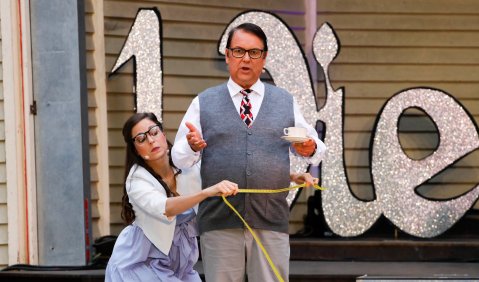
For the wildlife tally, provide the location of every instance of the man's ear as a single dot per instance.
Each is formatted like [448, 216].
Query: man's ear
[227, 55]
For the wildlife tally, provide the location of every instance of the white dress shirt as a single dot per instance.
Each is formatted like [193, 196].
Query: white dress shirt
[182, 154]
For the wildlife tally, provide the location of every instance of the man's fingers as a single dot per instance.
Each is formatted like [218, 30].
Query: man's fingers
[191, 127]
[305, 148]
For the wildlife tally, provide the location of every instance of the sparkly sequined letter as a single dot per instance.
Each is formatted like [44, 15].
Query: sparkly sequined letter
[345, 214]
[395, 175]
[143, 44]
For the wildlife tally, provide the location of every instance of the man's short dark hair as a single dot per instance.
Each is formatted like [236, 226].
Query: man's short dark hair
[250, 28]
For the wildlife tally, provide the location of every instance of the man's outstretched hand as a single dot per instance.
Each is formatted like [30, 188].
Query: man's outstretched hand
[194, 138]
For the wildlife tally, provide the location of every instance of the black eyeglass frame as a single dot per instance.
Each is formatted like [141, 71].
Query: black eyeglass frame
[246, 51]
[146, 133]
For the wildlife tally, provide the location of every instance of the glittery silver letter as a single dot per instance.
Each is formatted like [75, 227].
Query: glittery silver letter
[144, 45]
[395, 175]
[345, 214]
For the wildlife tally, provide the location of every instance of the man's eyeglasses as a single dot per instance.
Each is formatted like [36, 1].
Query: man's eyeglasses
[240, 52]
[141, 137]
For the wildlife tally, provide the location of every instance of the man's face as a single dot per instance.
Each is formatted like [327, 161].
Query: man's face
[245, 71]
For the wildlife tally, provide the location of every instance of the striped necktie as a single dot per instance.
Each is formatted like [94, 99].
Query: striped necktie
[245, 108]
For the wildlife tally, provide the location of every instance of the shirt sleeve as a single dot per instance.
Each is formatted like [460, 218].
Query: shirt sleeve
[182, 154]
[145, 196]
[299, 121]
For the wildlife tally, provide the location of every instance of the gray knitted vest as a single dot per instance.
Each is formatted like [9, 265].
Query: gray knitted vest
[253, 157]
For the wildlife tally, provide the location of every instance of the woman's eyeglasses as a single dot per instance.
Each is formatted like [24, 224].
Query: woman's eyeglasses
[141, 137]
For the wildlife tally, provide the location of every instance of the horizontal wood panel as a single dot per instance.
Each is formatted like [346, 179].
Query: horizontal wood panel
[92, 137]
[399, 7]
[188, 31]
[410, 73]
[116, 119]
[3, 193]
[170, 103]
[449, 176]
[202, 12]
[408, 55]
[3, 170]
[445, 191]
[117, 174]
[95, 229]
[89, 7]
[94, 191]
[92, 122]
[89, 26]
[3, 214]
[117, 157]
[4, 255]
[3, 234]
[189, 86]
[392, 22]
[94, 211]
[115, 211]
[295, 6]
[93, 175]
[185, 67]
[416, 75]
[375, 38]
[355, 158]
[385, 89]
[116, 193]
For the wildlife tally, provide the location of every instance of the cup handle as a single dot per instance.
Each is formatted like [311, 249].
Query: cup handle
[285, 131]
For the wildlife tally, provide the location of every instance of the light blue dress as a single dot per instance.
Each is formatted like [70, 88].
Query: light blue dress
[135, 258]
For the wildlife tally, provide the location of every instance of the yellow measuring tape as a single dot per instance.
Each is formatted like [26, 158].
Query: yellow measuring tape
[266, 191]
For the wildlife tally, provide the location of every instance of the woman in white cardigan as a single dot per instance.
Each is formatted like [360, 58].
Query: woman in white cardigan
[159, 202]
[159, 205]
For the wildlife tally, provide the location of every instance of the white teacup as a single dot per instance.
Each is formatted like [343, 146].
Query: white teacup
[295, 131]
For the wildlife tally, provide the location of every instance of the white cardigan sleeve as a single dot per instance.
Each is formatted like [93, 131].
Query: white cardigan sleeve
[146, 194]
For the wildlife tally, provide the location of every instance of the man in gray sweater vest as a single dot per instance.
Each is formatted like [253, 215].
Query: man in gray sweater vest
[235, 130]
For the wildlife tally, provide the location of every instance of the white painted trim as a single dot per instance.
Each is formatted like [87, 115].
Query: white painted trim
[13, 132]
[101, 114]
[21, 192]
[29, 132]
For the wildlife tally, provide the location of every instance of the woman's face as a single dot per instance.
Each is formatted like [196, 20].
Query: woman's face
[149, 140]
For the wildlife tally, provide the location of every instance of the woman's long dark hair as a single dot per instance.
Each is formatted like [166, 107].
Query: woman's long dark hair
[132, 157]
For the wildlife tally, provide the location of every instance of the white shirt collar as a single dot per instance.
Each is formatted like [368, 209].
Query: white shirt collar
[234, 88]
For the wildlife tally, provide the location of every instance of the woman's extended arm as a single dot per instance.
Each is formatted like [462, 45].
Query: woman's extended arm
[177, 205]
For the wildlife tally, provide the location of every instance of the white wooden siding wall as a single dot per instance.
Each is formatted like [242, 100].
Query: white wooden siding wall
[3, 176]
[92, 120]
[388, 46]
[191, 30]
[97, 113]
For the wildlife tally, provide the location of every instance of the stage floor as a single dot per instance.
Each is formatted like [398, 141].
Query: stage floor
[306, 271]
[350, 271]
